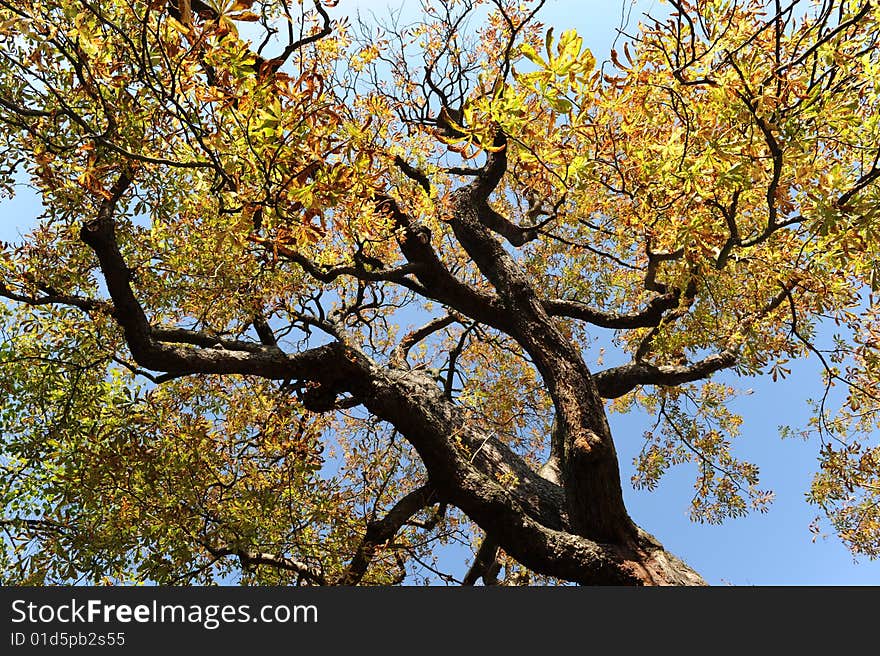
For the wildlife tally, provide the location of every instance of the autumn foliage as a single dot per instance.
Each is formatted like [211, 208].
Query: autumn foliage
[311, 297]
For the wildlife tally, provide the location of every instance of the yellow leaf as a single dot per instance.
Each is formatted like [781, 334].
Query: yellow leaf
[177, 25]
[531, 54]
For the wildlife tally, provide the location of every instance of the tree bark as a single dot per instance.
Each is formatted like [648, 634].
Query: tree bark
[569, 523]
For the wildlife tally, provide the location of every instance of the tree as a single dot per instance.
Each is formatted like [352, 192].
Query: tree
[310, 297]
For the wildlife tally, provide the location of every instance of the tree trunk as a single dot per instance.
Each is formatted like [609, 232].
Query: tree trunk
[529, 518]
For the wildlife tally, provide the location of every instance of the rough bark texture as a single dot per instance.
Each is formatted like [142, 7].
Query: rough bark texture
[568, 521]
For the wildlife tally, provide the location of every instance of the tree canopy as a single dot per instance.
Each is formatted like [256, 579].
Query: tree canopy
[313, 295]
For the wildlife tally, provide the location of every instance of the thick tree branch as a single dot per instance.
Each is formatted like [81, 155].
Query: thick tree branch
[594, 500]
[486, 564]
[526, 518]
[264, 330]
[329, 274]
[514, 234]
[438, 283]
[552, 468]
[381, 531]
[20, 110]
[34, 526]
[617, 381]
[485, 182]
[654, 260]
[206, 340]
[463, 170]
[489, 177]
[89, 305]
[413, 173]
[252, 558]
[329, 361]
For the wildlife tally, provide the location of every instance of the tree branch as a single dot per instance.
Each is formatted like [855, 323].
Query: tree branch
[264, 330]
[326, 362]
[649, 317]
[493, 170]
[206, 340]
[250, 558]
[485, 565]
[33, 525]
[398, 356]
[381, 531]
[53, 297]
[276, 63]
[654, 259]
[439, 284]
[329, 274]
[552, 468]
[617, 381]
[514, 234]
[261, 64]
[413, 173]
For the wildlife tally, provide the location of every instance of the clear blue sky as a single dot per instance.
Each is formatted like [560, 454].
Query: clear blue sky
[770, 549]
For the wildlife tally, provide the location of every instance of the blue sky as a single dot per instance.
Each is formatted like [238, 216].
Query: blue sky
[775, 548]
